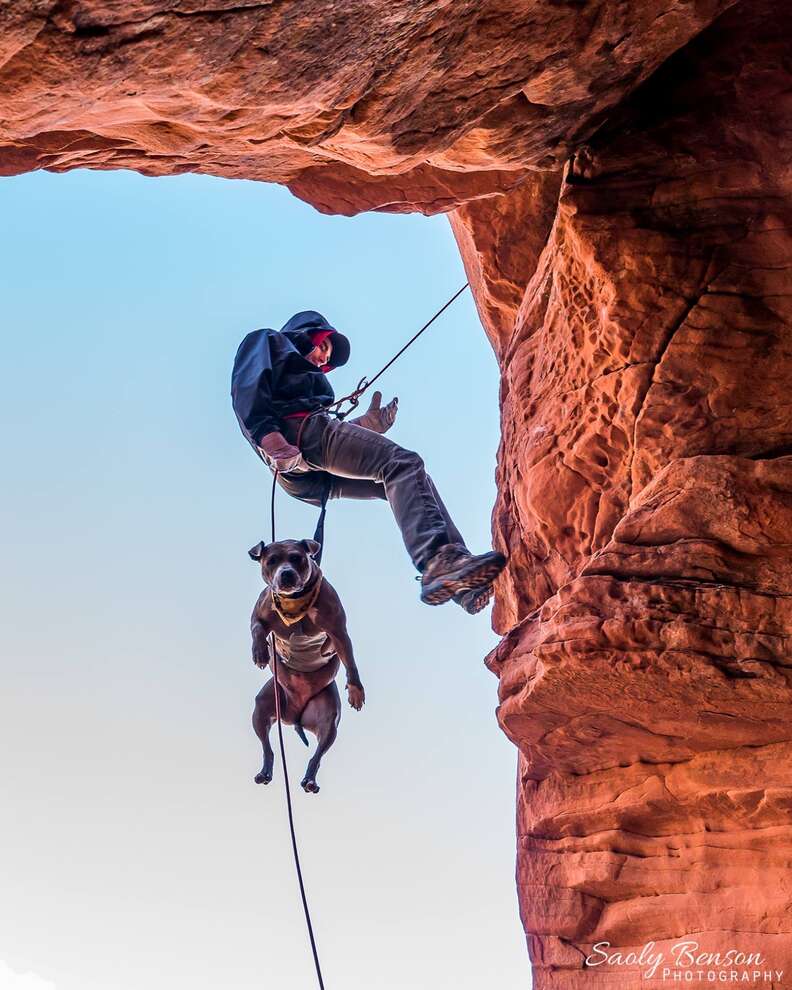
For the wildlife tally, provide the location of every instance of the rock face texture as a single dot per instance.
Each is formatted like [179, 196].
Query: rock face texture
[620, 175]
[645, 485]
[356, 105]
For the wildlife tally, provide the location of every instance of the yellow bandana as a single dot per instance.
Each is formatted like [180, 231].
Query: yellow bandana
[291, 610]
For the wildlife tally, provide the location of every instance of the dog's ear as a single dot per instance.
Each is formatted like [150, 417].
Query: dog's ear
[311, 547]
[257, 552]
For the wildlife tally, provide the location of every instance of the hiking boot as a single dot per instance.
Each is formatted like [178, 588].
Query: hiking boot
[474, 599]
[453, 569]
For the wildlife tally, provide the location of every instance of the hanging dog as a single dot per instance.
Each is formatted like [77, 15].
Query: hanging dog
[301, 610]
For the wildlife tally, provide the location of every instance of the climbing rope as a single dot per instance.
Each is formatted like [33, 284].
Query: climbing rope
[353, 399]
[274, 664]
[365, 383]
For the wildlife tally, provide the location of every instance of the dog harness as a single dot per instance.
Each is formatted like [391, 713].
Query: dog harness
[305, 653]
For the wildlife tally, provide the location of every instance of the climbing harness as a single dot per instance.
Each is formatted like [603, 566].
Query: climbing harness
[307, 601]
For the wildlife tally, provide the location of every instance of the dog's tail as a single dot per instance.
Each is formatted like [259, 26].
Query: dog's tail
[301, 733]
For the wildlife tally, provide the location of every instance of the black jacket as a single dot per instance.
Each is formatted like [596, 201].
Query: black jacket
[272, 378]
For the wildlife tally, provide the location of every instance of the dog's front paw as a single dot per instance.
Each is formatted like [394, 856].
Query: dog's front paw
[261, 660]
[356, 695]
[263, 777]
[309, 785]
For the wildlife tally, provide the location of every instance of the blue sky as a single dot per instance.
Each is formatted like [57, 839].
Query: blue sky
[139, 854]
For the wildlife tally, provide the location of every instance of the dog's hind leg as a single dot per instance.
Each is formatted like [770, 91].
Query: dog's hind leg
[263, 718]
[320, 717]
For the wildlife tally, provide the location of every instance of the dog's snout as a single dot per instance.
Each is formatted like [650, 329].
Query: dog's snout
[288, 577]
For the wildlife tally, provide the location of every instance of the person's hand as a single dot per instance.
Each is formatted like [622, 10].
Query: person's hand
[356, 695]
[377, 417]
[281, 454]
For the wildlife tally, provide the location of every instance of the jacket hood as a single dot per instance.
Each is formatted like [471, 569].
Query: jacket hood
[309, 321]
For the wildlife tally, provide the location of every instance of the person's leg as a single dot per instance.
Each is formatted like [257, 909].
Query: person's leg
[309, 486]
[472, 600]
[356, 488]
[453, 532]
[351, 452]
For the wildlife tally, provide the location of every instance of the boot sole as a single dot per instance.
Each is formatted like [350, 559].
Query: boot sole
[467, 575]
[479, 601]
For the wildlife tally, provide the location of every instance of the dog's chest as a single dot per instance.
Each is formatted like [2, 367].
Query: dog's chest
[304, 651]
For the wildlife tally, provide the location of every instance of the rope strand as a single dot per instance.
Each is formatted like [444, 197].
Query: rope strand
[274, 662]
[412, 339]
[274, 665]
[365, 383]
[275, 474]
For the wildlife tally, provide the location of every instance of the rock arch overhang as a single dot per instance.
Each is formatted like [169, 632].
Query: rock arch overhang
[617, 174]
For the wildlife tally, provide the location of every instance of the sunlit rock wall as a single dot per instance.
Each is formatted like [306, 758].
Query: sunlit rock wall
[645, 494]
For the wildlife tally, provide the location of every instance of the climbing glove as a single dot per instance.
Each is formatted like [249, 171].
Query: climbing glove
[377, 417]
[280, 454]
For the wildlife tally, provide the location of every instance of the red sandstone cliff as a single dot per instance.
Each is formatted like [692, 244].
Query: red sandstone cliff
[621, 178]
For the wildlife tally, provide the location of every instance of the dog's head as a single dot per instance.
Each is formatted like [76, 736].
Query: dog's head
[287, 566]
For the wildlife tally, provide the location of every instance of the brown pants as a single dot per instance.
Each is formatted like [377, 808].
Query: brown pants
[361, 464]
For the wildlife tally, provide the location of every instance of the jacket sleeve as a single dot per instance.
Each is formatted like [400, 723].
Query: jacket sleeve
[253, 379]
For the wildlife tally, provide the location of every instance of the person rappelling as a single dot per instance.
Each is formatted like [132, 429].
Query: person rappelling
[280, 394]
